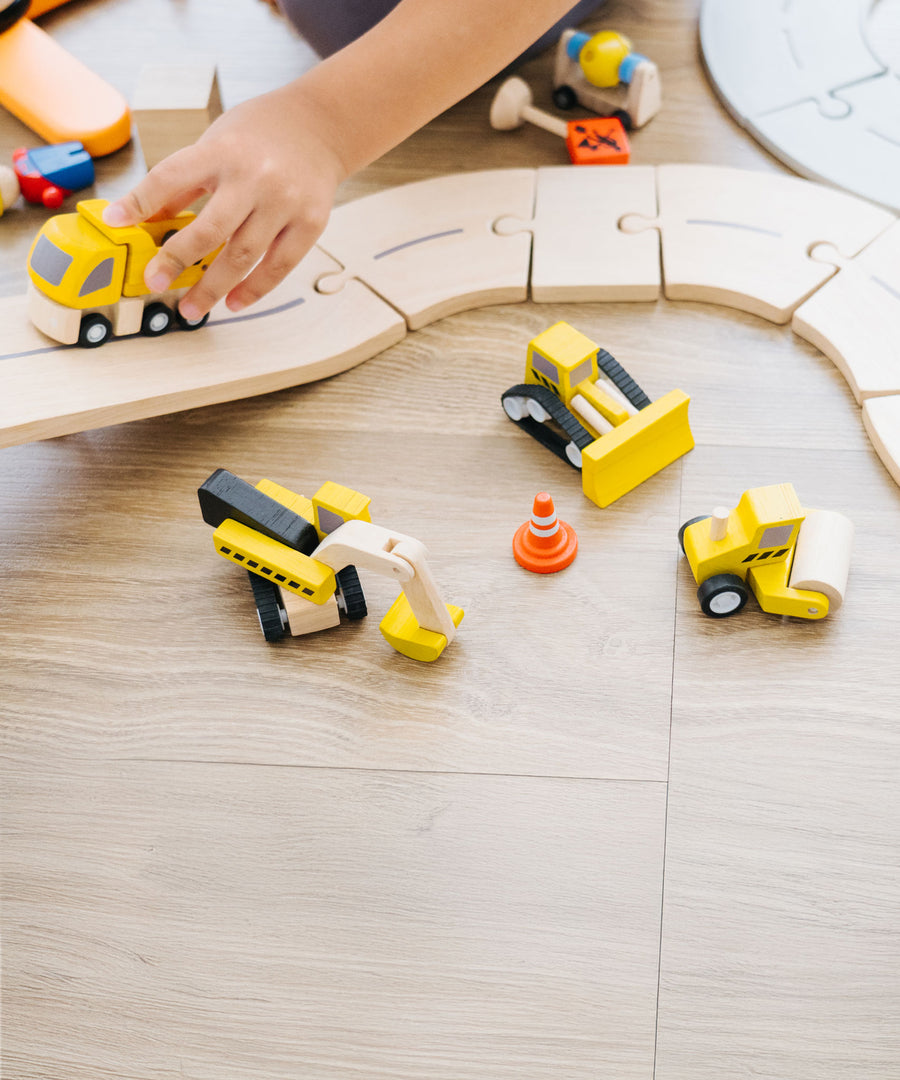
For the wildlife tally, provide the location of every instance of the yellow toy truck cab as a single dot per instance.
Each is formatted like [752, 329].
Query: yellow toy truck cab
[795, 561]
[87, 278]
[581, 404]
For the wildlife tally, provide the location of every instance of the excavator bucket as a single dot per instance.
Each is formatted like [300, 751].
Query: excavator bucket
[631, 453]
[402, 631]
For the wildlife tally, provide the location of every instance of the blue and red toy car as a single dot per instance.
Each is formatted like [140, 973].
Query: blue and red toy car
[48, 174]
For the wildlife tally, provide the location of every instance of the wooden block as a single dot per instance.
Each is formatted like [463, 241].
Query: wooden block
[854, 319]
[578, 251]
[305, 617]
[881, 417]
[429, 248]
[174, 103]
[295, 335]
[741, 238]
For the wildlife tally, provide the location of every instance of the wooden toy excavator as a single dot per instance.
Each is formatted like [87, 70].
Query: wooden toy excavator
[302, 556]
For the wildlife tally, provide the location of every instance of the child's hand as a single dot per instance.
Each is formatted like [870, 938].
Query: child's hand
[271, 176]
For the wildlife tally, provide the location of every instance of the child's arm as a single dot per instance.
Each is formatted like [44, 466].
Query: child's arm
[273, 164]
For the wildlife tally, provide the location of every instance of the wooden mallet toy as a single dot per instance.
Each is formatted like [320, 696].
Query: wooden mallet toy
[597, 140]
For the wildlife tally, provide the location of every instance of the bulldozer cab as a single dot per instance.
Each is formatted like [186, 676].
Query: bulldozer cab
[561, 359]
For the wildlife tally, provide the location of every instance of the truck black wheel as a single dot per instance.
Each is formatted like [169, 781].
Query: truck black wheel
[156, 320]
[191, 324]
[564, 97]
[95, 330]
[722, 595]
[685, 526]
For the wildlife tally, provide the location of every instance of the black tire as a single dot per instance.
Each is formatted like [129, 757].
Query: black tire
[95, 330]
[272, 620]
[625, 117]
[681, 531]
[156, 320]
[186, 324]
[722, 595]
[564, 97]
[350, 596]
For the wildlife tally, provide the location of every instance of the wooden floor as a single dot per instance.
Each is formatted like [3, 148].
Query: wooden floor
[602, 838]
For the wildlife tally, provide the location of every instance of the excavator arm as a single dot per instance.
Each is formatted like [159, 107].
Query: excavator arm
[418, 624]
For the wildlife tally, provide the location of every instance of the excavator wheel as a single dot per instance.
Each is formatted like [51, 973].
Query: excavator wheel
[350, 596]
[272, 618]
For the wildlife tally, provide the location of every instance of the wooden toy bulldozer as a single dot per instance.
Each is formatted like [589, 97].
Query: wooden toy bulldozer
[583, 406]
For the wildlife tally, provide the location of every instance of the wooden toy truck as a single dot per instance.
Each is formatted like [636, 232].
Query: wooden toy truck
[87, 278]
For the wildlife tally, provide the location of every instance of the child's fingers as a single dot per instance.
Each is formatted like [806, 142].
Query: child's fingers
[283, 254]
[234, 262]
[260, 253]
[179, 177]
[220, 219]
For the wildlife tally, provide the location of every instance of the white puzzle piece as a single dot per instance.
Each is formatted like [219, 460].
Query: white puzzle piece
[764, 54]
[816, 81]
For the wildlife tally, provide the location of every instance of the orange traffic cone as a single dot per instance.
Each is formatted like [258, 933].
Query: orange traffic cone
[544, 544]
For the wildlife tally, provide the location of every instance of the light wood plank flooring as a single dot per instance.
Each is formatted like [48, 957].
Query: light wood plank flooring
[603, 838]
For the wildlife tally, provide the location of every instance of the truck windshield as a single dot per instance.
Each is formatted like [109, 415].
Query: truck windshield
[49, 262]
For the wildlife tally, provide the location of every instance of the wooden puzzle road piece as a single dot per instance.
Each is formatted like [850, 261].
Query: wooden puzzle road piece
[429, 248]
[765, 54]
[881, 417]
[742, 238]
[854, 319]
[728, 236]
[578, 251]
[297, 335]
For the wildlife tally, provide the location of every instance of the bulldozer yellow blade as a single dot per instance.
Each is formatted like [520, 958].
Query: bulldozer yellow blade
[630, 454]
